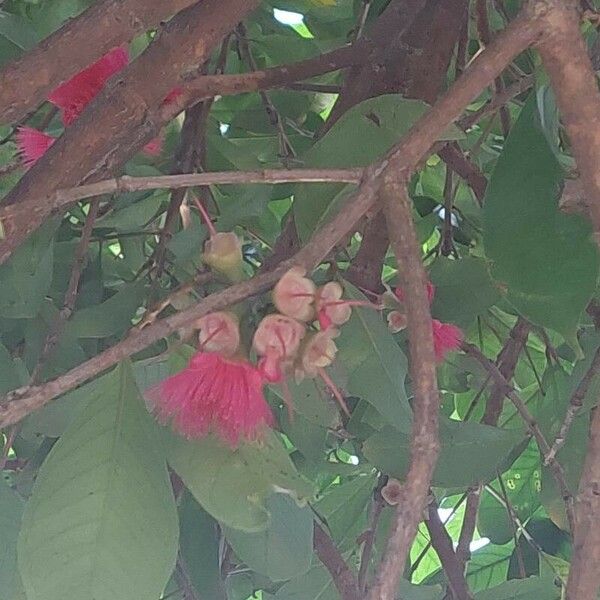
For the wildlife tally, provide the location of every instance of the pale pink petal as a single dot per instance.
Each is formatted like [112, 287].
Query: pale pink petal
[446, 338]
[153, 148]
[32, 144]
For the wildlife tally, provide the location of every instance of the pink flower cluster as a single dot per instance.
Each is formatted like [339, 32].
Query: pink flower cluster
[220, 391]
[73, 96]
[446, 337]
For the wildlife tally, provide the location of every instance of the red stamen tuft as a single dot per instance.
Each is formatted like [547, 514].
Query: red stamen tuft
[32, 144]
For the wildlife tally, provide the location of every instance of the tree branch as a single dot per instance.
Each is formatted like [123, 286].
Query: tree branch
[403, 158]
[26, 82]
[442, 544]
[575, 405]
[544, 447]
[122, 118]
[574, 82]
[330, 556]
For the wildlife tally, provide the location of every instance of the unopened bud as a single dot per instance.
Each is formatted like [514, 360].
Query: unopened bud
[331, 309]
[319, 351]
[219, 332]
[279, 336]
[223, 252]
[294, 295]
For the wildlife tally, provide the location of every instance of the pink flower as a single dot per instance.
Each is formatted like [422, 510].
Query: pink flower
[213, 394]
[32, 144]
[74, 95]
[153, 148]
[446, 337]
[430, 292]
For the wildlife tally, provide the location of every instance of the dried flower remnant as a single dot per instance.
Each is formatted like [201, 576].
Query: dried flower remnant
[294, 294]
[391, 492]
[223, 253]
[397, 321]
[217, 392]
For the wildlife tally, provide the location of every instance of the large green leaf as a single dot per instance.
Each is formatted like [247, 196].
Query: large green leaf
[546, 259]
[488, 566]
[285, 548]
[532, 588]
[11, 509]
[25, 278]
[376, 367]
[522, 483]
[101, 522]
[362, 135]
[111, 317]
[315, 584]
[464, 289]
[18, 30]
[199, 549]
[232, 484]
[470, 452]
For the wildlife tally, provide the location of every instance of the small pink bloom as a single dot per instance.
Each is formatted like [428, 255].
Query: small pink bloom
[213, 394]
[32, 144]
[293, 295]
[446, 337]
[430, 292]
[73, 95]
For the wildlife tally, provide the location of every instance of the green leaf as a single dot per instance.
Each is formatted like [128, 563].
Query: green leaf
[199, 542]
[232, 484]
[315, 584]
[284, 549]
[546, 259]
[343, 505]
[464, 289]
[481, 447]
[25, 278]
[362, 135]
[18, 30]
[532, 588]
[11, 509]
[111, 317]
[101, 522]
[488, 566]
[135, 216]
[9, 377]
[522, 483]
[375, 365]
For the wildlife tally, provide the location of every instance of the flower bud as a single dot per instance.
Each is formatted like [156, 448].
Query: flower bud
[397, 321]
[331, 309]
[223, 252]
[319, 351]
[219, 332]
[278, 335]
[294, 295]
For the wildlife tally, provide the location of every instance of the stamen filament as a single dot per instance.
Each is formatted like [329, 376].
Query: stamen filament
[205, 217]
[334, 390]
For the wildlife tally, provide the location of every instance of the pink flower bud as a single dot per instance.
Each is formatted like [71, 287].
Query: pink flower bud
[331, 309]
[219, 332]
[294, 295]
[278, 335]
[223, 252]
[396, 321]
[319, 352]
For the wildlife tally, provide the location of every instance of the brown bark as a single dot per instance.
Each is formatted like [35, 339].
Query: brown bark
[123, 117]
[573, 79]
[26, 82]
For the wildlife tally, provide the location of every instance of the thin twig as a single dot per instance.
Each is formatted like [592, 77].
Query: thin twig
[511, 517]
[70, 298]
[340, 572]
[442, 544]
[463, 548]
[377, 505]
[511, 394]
[575, 405]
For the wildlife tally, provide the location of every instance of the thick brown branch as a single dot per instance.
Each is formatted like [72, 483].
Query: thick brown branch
[573, 79]
[123, 117]
[584, 575]
[424, 448]
[343, 578]
[26, 82]
[403, 158]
